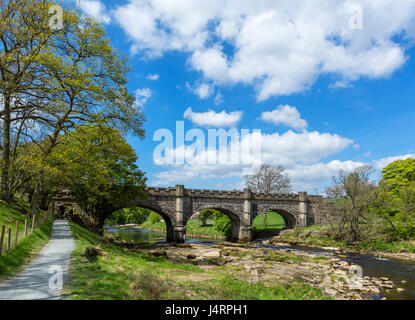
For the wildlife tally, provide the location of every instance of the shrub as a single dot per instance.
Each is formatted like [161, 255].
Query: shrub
[154, 218]
[222, 223]
[149, 286]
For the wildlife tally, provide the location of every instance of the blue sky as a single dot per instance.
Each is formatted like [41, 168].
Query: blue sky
[330, 85]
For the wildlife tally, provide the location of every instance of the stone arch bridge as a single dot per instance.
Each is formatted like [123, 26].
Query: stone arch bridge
[177, 205]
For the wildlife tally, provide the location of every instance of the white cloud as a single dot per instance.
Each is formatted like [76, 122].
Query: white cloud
[286, 115]
[96, 9]
[309, 177]
[218, 98]
[153, 77]
[204, 91]
[305, 147]
[214, 119]
[142, 96]
[280, 47]
[298, 152]
[382, 163]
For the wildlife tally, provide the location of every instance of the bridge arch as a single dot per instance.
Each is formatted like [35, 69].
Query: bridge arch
[235, 220]
[289, 218]
[168, 220]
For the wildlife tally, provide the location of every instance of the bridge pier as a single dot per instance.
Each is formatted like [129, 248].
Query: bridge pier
[179, 233]
[246, 231]
[303, 210]
[246, 234]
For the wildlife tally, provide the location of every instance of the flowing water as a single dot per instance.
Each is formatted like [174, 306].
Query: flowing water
[401, 272]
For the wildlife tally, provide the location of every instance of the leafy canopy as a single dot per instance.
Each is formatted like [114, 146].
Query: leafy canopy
[397, 175]
[98, 166]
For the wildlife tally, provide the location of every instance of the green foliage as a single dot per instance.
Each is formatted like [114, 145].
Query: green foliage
[154, 217]
[99, 167]
[205, 215]
[397, 175]
[397, 209]
[222, 223]
[67, 77]
[129, 216]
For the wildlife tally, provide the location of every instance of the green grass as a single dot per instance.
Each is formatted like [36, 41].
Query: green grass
[127, 275]
[274, 221]
[12, 261]
[10, 213]
[194, 227]
[232, 289]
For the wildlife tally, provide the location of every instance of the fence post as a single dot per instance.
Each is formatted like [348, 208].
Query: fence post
[25, 227]
[3, 229]
[9, 238]
[33, 222]
[17, 233]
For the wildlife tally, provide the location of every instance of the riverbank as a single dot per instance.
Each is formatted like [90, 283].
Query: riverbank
[316, 237]
[105, 268]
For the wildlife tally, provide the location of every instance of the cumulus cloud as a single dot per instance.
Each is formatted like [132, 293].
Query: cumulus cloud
[382, 163]
[309, 177]
[142, 96]
[286, 115]
[298, 152]
[214, 119]
[280, 47]
[96, 9]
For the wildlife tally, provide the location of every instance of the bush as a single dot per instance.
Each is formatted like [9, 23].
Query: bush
[149, 286]
[222, 223]
[154, 218]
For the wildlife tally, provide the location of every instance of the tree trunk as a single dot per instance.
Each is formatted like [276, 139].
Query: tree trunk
[5, 177]
[35, 200]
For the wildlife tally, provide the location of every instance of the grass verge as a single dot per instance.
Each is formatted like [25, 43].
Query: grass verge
[13, 261]
[123, 274]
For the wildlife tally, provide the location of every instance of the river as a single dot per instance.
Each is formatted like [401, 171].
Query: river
[401, 272]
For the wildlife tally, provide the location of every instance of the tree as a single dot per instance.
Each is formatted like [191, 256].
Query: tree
[353, 194]
[268, 179]
[59, 80]
[154, 217]
[99, 168]
[398, 211]
[398, 175]
[24, 33]
[204, 215]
